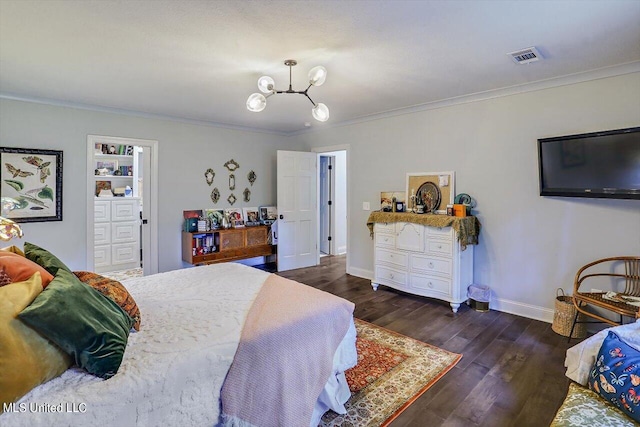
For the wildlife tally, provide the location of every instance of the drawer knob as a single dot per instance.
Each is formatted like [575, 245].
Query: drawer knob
[390, 275]
[439, 246]
[430, 265]
[430, 285]
[390, 255]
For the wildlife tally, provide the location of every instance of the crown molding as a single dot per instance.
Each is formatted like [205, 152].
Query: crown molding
[570, 79]
[122, 111]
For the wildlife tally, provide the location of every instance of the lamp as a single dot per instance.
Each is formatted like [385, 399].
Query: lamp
[317, 75]
[8, 228]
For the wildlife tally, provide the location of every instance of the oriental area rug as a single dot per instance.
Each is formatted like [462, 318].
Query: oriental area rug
[393, 370]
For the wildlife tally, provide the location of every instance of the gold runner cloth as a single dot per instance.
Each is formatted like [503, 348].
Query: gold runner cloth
[467, 228]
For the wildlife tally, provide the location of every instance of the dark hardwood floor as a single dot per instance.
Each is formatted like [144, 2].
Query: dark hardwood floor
[511, 372]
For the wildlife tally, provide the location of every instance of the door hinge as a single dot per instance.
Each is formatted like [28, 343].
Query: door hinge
[330, 167]
[329, 202]
[329, 238]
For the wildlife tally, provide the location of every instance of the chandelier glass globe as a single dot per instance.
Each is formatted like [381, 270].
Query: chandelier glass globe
[320, 112]
[256, 102]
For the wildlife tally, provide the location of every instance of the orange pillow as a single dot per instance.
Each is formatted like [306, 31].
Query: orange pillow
[19, 269]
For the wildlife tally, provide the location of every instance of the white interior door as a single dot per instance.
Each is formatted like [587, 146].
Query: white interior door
[145, 228]
[297, 214]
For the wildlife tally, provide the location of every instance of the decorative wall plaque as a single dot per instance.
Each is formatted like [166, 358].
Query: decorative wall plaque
[252, 177]
[232, 182]
[231, 165]
[215, 195]
[209, 175]
[231, 199]
[247, 194]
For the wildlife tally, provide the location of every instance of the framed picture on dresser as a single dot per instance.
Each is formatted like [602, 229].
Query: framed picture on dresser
[434, 188]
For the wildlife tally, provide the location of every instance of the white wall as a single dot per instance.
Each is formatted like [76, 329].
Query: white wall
[529, 245]
[185, 151]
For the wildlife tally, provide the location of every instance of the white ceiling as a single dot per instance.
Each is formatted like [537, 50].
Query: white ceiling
[200, 60]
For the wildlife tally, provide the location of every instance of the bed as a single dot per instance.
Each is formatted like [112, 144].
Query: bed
[177, 368]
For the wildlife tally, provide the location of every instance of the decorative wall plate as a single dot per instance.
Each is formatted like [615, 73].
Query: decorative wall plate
[251, 176]
[209, 175]
[429, 196]
[231, 165]
[215, 195]
[231, 199]
[232, 182]
[247, 194]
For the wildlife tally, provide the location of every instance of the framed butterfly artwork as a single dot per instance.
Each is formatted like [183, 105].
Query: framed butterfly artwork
[33, 178]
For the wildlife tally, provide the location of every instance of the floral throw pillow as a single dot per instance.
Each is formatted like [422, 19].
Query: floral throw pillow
[615, 375]
[113, 290]
[4, 277]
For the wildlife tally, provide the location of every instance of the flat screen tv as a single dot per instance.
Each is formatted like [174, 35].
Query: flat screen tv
[599, 165]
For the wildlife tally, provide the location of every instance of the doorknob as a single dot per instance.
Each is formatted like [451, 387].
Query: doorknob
[281, 216]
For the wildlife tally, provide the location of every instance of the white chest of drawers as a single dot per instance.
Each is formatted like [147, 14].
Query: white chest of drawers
[116, 234]
[422, 260]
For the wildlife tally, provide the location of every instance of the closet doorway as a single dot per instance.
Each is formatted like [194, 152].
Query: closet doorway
[122, 206]
[332, 203]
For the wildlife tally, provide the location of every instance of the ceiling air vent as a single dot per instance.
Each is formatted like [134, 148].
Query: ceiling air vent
[525, 56]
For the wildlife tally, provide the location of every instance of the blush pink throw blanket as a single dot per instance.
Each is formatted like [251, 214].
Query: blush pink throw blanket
[285, 355]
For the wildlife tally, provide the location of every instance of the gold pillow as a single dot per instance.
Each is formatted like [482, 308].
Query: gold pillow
[27, 359]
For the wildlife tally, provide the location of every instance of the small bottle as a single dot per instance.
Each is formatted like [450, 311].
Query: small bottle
[393, 204]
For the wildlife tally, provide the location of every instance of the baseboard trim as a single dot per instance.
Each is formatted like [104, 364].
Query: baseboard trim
[520, 309]
[507, 306]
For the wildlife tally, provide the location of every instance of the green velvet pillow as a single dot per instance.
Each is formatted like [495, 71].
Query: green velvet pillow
[44, 258]
[89, 326]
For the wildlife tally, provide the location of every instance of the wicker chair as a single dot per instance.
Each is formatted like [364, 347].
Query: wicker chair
[631, 278]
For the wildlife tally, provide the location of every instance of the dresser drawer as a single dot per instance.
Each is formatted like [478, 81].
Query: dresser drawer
[102, 211]
[384, 227]
[389, 276]
[430, 284]
[384, 240]
[125, 210]
[126, 231]
[440, 247]
[410, 237]
[124, 253]
[392, 258]
[431, 265]
[101, 233]
[440, 232]
[101, 256]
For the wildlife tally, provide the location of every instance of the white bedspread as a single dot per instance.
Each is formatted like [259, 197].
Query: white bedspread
[173, 369]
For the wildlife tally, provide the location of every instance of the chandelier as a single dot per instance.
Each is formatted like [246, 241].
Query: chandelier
[317, 75]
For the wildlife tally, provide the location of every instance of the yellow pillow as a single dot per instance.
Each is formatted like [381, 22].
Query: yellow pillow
[13, 249]
[27, 359]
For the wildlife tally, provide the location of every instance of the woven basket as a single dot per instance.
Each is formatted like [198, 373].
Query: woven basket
[563, 317]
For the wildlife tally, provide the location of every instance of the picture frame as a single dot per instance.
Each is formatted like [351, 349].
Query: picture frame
[251, 216]
[34, 178]
[268, 213]
[235, 217]
[215, 217]
[386, 199]
[445, 181]
[110, 165]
